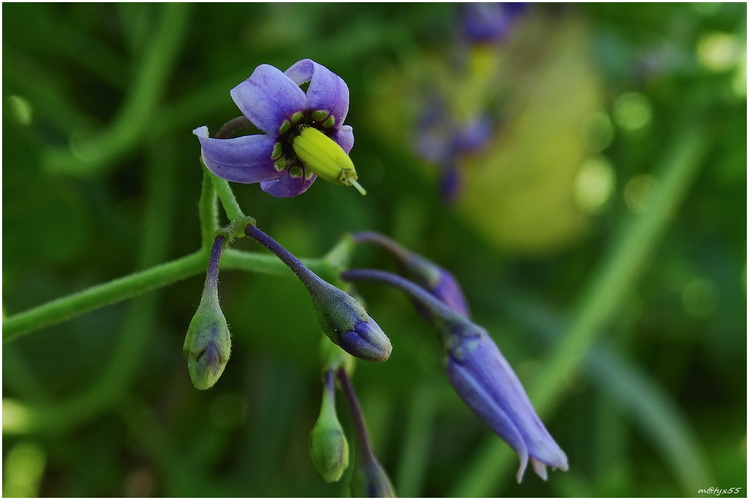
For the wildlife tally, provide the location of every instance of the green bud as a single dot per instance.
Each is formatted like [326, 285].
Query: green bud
[326, 158]
[208, 341]
[327, 442]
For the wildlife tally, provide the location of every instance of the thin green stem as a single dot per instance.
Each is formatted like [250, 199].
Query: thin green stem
[228, 200]
[134, 284]
[207, 212]
[601, 299]
[102, 295]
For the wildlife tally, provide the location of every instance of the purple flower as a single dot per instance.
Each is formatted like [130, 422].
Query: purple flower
[274, 102]
[489, 387]
[489, 22]
[443, 139]
[482, 378]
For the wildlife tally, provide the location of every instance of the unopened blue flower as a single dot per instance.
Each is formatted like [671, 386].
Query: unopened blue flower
[274, 102]
[482, 378]
[489, 387]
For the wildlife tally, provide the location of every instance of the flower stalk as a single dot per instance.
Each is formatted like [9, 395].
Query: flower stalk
[369, 479]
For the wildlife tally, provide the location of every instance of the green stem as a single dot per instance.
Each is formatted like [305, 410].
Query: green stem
[228, 200]
[616, 276]
[207, 212]
[102, 295]
[129, 286]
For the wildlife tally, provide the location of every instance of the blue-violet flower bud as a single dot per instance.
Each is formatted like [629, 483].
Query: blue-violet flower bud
[208, 341]
[483, 379]
[487, 384]
[340, 316]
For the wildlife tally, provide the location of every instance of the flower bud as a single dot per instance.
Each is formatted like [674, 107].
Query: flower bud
[484, 380]
[208, 341]
[340, 316]
[370, 480]
[323, 156]
[347, 324]
[327, 442]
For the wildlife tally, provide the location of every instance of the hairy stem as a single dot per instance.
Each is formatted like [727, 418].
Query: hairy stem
[129, 286]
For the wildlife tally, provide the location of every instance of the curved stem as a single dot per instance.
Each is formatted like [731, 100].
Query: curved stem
[232, 127]
[228, 200]
[362, 436]
[435, 306]
[302, 272]
[380, 239]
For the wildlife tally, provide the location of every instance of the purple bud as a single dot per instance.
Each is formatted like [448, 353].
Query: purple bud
[482, 378]
[340, 316]
[489, 387]
[347, 324]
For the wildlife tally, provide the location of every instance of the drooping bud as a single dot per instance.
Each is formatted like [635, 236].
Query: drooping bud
[327, 442]
[340, 316]
[483, 379]
[208, 341]
[326, 158]
[347, 324]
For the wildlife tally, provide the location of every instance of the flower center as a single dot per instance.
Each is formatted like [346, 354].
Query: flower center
[284, 156]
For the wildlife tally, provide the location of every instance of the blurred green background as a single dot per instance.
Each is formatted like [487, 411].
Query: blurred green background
[603, 227]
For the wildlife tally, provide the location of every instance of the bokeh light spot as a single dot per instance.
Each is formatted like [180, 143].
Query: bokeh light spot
[24, 467]
[20, 109]
[594, 184]
[16, 417]
[632, 111]
[718, 51]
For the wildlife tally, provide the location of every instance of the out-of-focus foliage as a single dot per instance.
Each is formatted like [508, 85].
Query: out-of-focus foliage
[101, 177]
